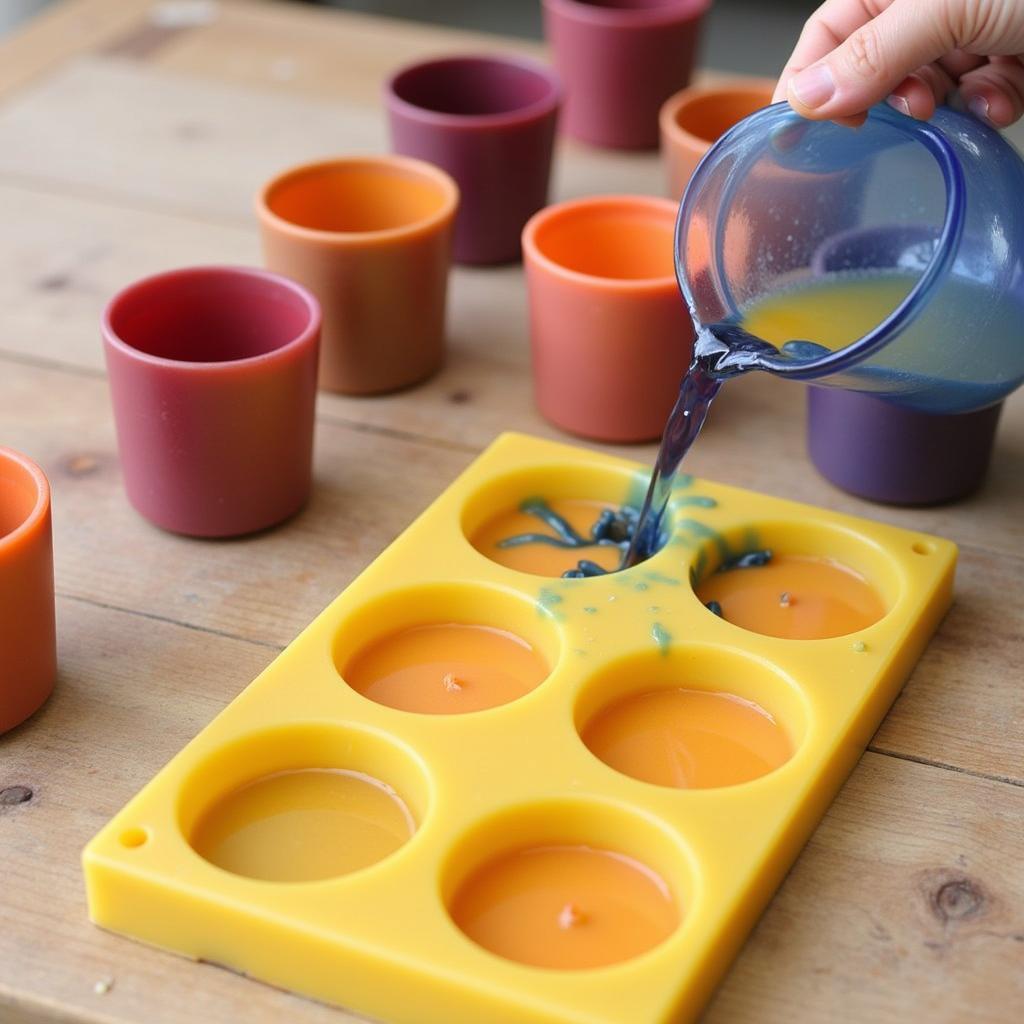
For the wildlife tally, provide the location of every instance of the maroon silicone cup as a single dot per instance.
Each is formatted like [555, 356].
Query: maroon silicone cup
[619, 61]
[213, 378]
[897, 456]
[490, 123]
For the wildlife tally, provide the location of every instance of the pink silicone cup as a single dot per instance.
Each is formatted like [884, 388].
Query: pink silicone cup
[489, 122]
[619, 61]
[213, 379]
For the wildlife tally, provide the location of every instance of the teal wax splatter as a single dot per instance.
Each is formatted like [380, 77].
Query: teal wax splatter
[662, 637]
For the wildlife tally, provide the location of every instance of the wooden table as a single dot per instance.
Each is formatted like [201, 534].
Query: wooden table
[132, 136]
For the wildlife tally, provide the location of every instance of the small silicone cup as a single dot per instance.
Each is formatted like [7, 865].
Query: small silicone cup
[695, 118]
[371, 238]
[490, 123]
[619, 61]
[886, 453]
[213, 379]
[28, 645]
[611, 339]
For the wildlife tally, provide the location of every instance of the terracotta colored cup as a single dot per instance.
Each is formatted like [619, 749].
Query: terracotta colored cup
[213, 378]
[28, 639]
[371, 238]
[695, 118]
[490, 123]
[619, 61]
[611, 336]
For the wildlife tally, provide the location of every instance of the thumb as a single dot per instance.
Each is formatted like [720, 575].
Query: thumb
[873, 60]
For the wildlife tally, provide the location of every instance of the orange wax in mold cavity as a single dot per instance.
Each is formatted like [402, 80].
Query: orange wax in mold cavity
[545, 559]
[797, 597]
[567, 907]
[303, 826]
[446, 668]
[690, 739]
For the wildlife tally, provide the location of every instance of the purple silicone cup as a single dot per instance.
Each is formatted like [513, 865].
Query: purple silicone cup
[894, 455]
[620, 60]
[490, 123]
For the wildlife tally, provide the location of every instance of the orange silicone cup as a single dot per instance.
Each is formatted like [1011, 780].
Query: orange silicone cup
[28, 639]
[610, 335]
[694, 119]
[371, 237]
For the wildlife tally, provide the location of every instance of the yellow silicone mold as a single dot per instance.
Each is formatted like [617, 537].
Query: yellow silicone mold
[377, 935]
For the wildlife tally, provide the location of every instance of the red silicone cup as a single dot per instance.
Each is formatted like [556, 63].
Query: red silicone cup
[213, 374]
[610, 334]
[619, 61]
[490, 123]
[28, 641]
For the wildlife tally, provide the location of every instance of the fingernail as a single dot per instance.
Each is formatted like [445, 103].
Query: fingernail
[978, 106]
[814, 86]
[899, 103]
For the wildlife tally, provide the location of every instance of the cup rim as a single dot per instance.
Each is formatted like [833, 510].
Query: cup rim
[421, 168]
[42, 503]
[547, 104]
[625, 17]
[309, 331]
[533, 252]
[732, 87]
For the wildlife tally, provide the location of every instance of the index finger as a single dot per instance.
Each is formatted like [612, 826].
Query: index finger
[828, 27]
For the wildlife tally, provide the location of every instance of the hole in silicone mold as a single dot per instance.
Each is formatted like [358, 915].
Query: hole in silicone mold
[567, 885]
[303, 804]
[509, 520]
[692, 718]
[922, 547]
[133, 838]
[799, 581]
[446, 649]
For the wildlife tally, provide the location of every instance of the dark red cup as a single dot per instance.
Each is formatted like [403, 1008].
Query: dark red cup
[490, 123]
[213, 379]
[619, 61]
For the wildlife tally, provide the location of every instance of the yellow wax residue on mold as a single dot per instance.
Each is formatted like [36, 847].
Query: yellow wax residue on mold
[567, 907]
[690, 739]
[446, 668]
[794, 596]
[833, 312]
[545, 559]
[302, 826]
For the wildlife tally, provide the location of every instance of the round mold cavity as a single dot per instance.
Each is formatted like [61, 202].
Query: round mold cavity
[512, 506]
[303, 803]
[568, 885]
[821, 581]
[692, 717]
[446, 649]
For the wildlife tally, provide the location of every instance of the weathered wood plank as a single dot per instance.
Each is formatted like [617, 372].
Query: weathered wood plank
[369, 486]
[905, 905]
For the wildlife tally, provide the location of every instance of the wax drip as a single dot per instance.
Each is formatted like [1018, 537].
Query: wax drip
[748, 560]
[720, 351]
[613, 528]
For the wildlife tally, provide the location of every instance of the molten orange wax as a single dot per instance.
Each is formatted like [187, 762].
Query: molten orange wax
[691, 739]
[565, 906]
[446, 668]
[545, 559]
[303, 826]
[796, 597]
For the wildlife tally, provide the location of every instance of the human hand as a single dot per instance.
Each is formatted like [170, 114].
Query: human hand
[914, 53]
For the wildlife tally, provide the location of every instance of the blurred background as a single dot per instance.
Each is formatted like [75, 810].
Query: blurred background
[752, 36]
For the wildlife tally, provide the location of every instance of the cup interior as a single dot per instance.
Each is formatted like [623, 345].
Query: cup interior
[210, 315]
[614, 239]
[710, 115]
[19, 494]
[473, 86]
[631, 5]
[358, 196]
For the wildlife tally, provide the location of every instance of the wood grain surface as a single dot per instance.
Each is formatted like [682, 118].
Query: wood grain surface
[130, 143]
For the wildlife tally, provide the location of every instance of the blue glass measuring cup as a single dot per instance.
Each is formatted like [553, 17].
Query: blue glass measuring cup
[781, 204]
